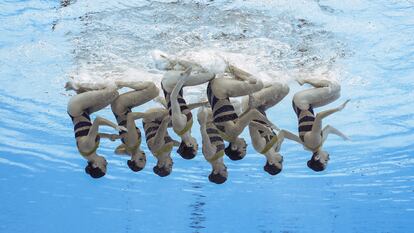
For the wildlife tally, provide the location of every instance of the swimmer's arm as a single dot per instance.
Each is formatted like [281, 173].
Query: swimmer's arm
[93, 132]
[197, 105]
[111, 137]
[161, 100]
[331, 130]
[199, 78]
[242, 75]
[161, 132]
[289, 135]
[224, 88]
[132, 116]
[206, 142]
[91, 99]
[314, 82]
[317, 125]
[261, 127]
[258, 141]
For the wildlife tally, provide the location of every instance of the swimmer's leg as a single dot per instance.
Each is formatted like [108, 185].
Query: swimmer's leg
[171, 78]
[143, 92]
[317, 125]
[270, 95]
[161, 100]
[234, 129]
[224, 87]
[323, 93]
[199, 78]
[289, 135]
[242, 75]
[91, 101]
[258, 141]
[331, 130]
[197, 105]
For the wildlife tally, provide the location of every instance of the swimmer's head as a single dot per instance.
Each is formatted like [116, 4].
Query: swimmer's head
[217, 178]
[137, 161]
[319, 161]
[274, 164]
[236, 150]
[219, 173]
[97, 167]
[188, 150]
[163, 168]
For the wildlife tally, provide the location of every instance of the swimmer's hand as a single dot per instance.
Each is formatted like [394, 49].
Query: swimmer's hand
[121, 150]
[252, 102]
[300, 81]
[121, 128]
[167, 118]
[113, 137]
[70, 86]
[274, 127]
[252, 81]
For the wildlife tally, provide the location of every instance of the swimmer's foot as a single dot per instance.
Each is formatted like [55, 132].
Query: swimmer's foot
[274, 127]
[301, 81]
[342, 106]
[121, 128]
[250, 104]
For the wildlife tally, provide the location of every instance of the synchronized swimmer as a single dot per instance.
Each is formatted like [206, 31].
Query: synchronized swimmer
[218, 119]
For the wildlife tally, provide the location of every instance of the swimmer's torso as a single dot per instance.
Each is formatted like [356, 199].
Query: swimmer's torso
[215, 139]
[151, 127]
[269, 135]
[81, 127]
[223, 110]
[121, 118]
[306, 119]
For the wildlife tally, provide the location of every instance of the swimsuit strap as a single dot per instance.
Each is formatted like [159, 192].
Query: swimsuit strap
[216, 156]
[186, 128]
[224, 135]
[269, 145]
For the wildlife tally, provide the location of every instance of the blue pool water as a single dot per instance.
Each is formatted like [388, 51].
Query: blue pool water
[367, 44]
